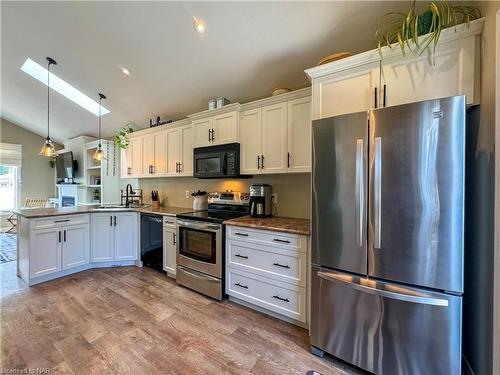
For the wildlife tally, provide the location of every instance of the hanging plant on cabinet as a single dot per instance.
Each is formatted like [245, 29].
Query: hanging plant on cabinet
[121, 139]
[405, 28]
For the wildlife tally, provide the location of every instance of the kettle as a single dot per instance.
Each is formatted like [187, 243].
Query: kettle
[200, 201]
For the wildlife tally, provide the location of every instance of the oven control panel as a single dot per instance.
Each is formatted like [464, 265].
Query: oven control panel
[229, 197]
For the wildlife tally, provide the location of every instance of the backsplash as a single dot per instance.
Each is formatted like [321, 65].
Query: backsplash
[294, 190]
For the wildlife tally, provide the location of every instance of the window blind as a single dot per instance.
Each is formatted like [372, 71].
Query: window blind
[11, 154]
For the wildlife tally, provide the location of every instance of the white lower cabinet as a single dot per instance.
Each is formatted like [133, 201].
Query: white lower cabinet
[169, 245]
[45, 252]
[268, 269]
[75, 246]
[57, 244]
[114, 236]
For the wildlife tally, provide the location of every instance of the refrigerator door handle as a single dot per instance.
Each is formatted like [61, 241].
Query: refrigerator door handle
[360, 189]
[378, 192]
[402, 294]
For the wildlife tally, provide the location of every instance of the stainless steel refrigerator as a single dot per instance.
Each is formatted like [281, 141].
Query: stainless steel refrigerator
[387, 237]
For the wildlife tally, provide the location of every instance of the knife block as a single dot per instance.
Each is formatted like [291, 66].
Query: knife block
[155, 204]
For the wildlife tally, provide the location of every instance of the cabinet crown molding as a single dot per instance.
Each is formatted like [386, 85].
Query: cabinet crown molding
[156, 129]
[214, 112]
[296, 94]
[452, 33]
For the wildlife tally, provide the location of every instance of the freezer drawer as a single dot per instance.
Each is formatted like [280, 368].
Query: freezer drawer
[385, 328]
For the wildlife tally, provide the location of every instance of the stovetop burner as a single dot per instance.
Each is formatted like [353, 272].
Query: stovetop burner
[217, 213]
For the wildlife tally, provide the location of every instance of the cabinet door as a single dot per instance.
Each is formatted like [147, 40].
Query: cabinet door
[251, 138]
[125, 236]
[136, 157]
[202, 129]
[75, 249]
[160, 162]
[148, 154]
[348, 91]
[101, 237]
[45, 251]
[172, 141]
[415, 78]
[225, 128]
[274, 138]
[299, 135]
[169, 250]
[186, 150]
[126, 162]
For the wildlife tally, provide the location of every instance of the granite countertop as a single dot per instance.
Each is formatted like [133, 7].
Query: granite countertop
[31, 213]
[275, 223]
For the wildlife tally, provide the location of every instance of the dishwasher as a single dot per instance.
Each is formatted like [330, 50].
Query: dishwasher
[152, 241]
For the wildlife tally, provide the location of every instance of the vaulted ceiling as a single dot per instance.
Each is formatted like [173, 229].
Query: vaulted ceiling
[249, 49]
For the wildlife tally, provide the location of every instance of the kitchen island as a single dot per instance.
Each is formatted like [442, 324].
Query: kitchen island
[55, 242]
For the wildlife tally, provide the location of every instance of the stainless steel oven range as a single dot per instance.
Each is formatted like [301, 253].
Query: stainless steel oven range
[200, 247]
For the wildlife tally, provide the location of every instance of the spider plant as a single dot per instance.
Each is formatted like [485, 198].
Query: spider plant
[405, 28]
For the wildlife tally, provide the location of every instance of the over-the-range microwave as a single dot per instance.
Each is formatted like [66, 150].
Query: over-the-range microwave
[217, 161]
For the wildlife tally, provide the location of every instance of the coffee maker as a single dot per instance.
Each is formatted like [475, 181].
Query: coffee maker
[260, 200]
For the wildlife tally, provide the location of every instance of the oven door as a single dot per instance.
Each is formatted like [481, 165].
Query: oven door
[199, 246]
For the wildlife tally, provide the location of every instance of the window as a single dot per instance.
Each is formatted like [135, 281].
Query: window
[8, 187]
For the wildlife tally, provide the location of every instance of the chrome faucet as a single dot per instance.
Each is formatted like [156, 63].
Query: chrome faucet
[128, 190]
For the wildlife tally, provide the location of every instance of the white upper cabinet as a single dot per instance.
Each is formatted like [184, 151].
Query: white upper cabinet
[186, 150]
[173, 141]
[225, 128]
[348, 91]
[299, 135]
[215, 130]
[366, 80]
[126, 162]
[136, 157]
[274, 124]
[250, 145]
[202, 132]
[417, 77]
[159, 164]
[148, 154]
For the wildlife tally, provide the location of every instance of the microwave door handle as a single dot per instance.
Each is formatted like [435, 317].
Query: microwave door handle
[224, 165]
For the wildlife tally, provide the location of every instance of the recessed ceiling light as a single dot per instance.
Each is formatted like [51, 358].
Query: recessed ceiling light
[62, 87]
[199, 25]
[125, 70]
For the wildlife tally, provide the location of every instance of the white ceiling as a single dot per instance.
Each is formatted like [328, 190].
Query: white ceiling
[249, 49]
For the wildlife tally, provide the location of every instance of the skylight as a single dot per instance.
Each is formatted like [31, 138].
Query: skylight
[62, 87]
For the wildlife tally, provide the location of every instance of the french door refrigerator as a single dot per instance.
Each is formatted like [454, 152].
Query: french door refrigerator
[387, 237]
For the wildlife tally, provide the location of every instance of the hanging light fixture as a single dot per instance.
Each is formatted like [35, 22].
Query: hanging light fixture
[48, 147]
[99, 154]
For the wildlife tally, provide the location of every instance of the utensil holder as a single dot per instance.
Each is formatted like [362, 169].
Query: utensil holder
[155, 204]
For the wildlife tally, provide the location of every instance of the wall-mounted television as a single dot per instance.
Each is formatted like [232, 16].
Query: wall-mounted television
[66, 167]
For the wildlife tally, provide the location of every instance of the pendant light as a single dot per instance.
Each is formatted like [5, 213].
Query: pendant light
[99, 154]
[48, 147]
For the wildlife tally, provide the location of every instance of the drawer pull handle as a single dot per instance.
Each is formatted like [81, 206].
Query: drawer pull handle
[240, 234]
[241, 285]
[279, 240]
[62, 221]
[241, 256]
[280, 265]
[281, 298]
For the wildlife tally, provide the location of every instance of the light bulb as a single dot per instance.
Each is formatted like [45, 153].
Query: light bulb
[199, 26]
[98, 155]
[48, 149]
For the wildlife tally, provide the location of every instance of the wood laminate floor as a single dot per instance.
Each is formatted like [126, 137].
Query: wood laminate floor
[137, 321]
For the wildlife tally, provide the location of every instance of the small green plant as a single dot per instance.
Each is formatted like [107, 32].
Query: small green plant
[405, 28]
[52, 162]
[121, 139]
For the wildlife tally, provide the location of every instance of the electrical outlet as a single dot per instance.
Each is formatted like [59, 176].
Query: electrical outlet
[274, 197]
[188, 194]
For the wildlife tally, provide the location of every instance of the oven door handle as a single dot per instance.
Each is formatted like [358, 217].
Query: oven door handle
[188, 224]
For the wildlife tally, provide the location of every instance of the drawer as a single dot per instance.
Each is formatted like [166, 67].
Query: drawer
[278, 239]
[169, 221]
[273, 262]
[58, 221]
[285, 299]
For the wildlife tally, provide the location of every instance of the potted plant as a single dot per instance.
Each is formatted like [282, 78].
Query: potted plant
[405, 28]
[121, 139]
